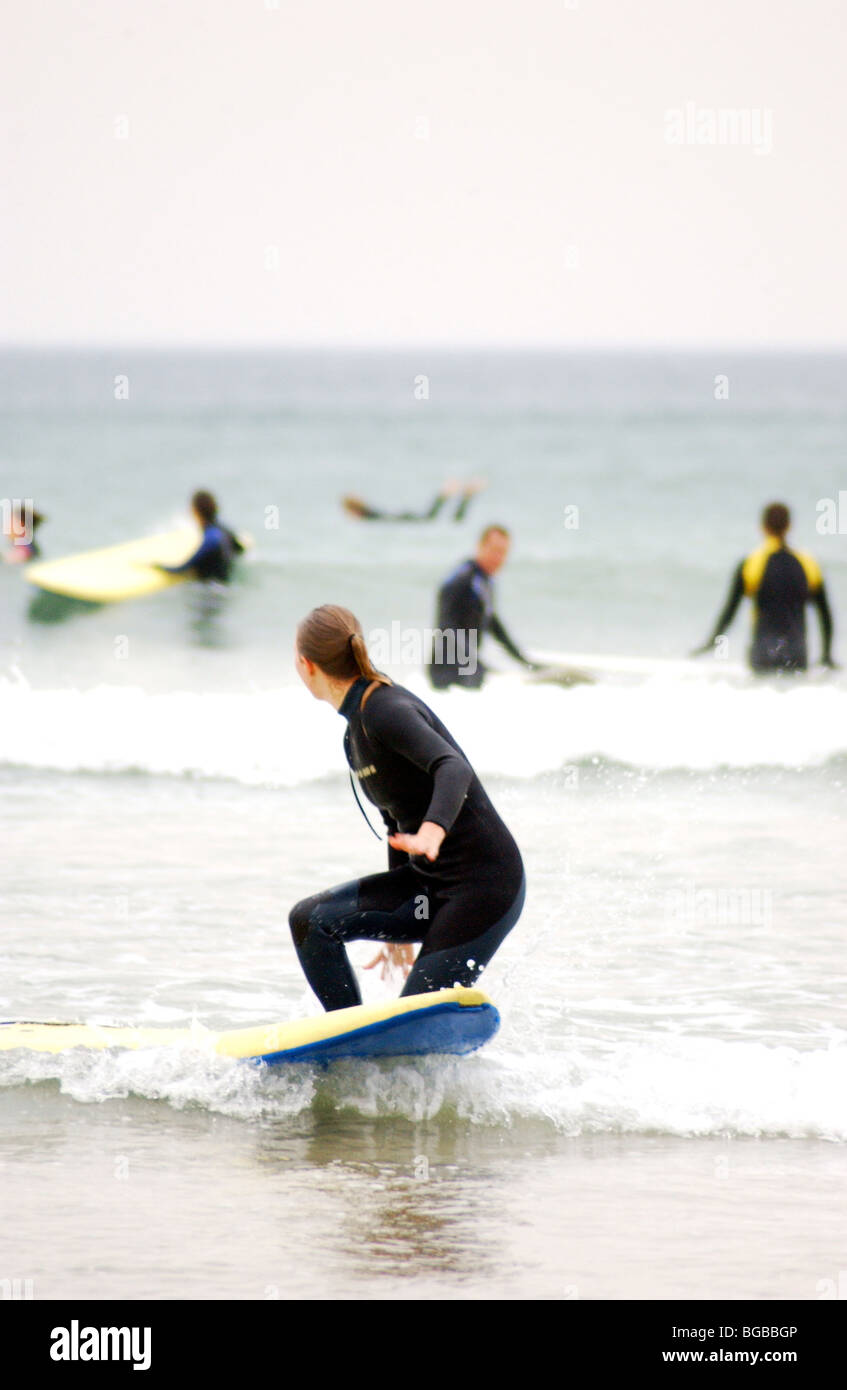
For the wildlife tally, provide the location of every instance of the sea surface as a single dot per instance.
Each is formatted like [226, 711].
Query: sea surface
[664, 1111]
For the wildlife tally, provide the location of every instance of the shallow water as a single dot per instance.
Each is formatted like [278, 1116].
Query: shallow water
[664, 1111]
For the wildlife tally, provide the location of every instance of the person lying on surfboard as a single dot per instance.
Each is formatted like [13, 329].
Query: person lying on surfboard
[213, 557]
[455, 880]
[362, 511]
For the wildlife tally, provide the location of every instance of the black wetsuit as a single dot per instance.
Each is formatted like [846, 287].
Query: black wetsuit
[369, 513]
[781, 582]
[465, 612]
[213, 557]
[460, 907]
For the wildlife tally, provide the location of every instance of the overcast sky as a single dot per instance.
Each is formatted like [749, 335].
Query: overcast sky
[451, 172]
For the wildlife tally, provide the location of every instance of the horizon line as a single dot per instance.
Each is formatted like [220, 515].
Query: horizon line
[334, 345]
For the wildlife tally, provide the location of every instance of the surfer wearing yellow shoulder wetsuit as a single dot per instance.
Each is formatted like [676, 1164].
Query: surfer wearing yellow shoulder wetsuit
[780, 582]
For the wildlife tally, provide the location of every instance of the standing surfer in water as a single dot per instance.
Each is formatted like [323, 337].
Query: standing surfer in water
[780, 582]
[466, 612]
[213, 557]
[455, 880]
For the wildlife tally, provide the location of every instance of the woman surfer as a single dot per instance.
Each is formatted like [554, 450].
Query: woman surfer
[455, 880]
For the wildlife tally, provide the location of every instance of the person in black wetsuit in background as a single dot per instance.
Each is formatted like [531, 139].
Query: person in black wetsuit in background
[780, 582]
[466, 612]
[361, 511]
[455, 880]
[213, 557]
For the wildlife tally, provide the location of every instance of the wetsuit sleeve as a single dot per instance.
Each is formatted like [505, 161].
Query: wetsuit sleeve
[821, 602]
[499, 633]
[237, 547]
[206, 547]
[405, 730]
[730, 608]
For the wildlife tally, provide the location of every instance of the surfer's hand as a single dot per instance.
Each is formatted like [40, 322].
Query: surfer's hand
[426, 843]
[395, 956]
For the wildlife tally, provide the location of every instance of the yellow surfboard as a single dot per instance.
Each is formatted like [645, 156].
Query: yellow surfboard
[119, 571]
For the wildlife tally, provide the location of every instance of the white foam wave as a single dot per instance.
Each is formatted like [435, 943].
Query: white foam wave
[682, 1086]
[283, 738]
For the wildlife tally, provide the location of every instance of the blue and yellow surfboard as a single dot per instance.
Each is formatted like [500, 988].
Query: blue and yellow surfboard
[448, 1021]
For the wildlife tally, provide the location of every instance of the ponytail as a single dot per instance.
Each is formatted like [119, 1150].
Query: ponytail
[331, 636]
[365, 665]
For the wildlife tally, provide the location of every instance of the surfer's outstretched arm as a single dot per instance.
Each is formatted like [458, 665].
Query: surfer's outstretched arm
[468, 491]
[205, 549]
[728, 612]
[821, 602]
[499, 633]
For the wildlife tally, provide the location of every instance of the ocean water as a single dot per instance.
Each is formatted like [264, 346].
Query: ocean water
[664, 1112]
